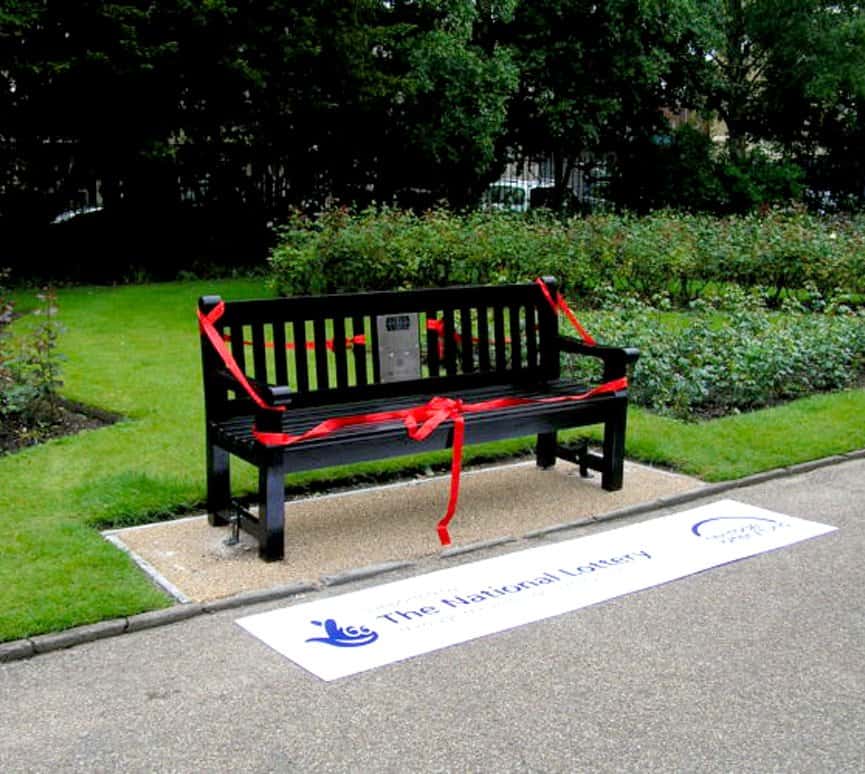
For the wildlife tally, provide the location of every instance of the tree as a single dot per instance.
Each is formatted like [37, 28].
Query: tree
[360, 100]
[815, 110]
[453, 95]
[595, 76]
[790, 73]
[96, 92]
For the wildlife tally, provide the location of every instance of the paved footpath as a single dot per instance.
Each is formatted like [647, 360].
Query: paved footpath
[755, 666]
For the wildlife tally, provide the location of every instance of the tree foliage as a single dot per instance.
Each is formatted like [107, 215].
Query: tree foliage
[262, 104]
[790, 74]
[244, 105]
[595, 75]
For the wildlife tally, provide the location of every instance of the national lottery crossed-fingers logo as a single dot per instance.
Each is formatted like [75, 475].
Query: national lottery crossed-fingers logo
[344, 636]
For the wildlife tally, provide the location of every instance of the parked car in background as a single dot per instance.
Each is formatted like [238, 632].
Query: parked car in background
[521, 195]
[511, 195]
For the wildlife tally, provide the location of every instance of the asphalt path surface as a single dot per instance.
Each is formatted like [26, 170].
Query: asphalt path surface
[754, 666]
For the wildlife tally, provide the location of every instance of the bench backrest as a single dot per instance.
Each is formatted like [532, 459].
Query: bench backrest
[325, 348]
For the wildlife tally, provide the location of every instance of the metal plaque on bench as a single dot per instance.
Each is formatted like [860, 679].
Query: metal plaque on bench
[398, 347]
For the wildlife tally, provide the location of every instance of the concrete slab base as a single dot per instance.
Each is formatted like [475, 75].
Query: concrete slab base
[336, 534]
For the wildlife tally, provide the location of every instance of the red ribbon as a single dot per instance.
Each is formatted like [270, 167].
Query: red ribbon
[421, 421]
[206, 323]
[439, 327]
[560, 305]
[351, 341]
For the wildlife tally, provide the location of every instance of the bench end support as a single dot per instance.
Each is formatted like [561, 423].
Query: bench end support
[546, 450]
[614, 448]
[218, 485]
[271, 512]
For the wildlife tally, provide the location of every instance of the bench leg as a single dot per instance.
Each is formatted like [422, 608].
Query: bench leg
[218, 486]
[614, 449]
[546, 450]
[271, 512]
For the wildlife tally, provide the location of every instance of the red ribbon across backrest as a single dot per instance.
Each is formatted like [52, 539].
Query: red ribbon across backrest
[560, 305]
[351, 341]
[207, 324]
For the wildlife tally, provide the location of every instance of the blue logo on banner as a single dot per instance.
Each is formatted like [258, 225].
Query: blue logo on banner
[347, 637]
[731, 529]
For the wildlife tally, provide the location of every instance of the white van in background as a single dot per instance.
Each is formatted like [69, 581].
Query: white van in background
[511, 195]
[515, 195]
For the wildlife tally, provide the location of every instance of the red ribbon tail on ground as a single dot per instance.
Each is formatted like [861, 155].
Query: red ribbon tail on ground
[456, 471]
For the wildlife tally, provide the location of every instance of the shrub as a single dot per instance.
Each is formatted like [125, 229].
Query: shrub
[686, 256]
[7, 381]
[388, 249]
[732, 356]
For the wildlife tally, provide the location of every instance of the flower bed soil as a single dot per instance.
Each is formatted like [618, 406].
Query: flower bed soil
[18, 431]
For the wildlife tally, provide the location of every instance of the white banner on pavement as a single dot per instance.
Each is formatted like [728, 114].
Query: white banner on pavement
[338, 636]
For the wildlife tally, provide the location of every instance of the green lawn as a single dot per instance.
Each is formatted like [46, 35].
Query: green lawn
[134, 350]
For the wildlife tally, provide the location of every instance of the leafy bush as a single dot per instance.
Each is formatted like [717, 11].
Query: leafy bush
[7, 310]
[758, 180]
[687, 256]
[732, 356]
[376, 250]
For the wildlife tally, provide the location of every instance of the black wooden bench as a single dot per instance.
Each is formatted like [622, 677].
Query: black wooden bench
[490, 354]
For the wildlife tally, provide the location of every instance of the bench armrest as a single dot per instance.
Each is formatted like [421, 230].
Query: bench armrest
[275, 395]
[616, 359]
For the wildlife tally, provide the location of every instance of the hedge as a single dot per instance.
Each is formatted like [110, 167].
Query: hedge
[685, 256]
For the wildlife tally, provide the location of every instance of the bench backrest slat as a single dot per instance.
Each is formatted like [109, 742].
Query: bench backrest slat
[301, 360]
[359, 351]
[280, 353]
[340, 352]
[501, 361]
[432, 345]
[238, 349]
[322, 379]
[514, 333]
[259, 353]
[466, 340]
[469, 337]
[483, 339]
[450, 346]
[531, 337]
